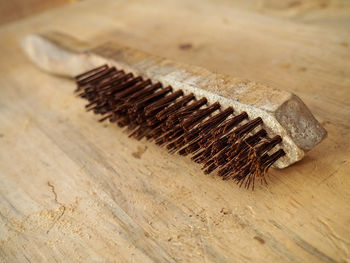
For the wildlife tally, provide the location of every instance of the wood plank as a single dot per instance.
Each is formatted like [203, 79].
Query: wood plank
[75, 190]
[17, 9]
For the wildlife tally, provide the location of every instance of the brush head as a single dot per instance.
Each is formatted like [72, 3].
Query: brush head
[216, 137]
[282, 113]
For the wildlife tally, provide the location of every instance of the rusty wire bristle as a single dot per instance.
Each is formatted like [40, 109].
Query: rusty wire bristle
[238, 148]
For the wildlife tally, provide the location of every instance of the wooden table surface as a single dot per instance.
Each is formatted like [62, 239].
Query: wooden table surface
[75, 190]
[17, 9]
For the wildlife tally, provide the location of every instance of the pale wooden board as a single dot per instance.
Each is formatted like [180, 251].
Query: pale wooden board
[17, 9]
[73, 189]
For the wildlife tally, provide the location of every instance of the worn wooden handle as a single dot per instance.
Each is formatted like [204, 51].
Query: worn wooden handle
[283, 113]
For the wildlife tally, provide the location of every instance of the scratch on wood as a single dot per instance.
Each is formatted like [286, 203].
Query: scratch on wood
[333, 173]
[269, 240]
[61, 205]
[26, 258]
[53, 191]
[303, 244]
[339, 242]
[329, 176]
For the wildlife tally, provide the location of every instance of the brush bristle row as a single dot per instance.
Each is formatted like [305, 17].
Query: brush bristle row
[238, 148]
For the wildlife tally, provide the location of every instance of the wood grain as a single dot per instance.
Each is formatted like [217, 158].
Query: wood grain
[75, 190]
[17, 9]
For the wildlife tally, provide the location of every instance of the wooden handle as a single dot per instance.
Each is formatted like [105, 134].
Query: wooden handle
[283, 113]
[58, 53]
